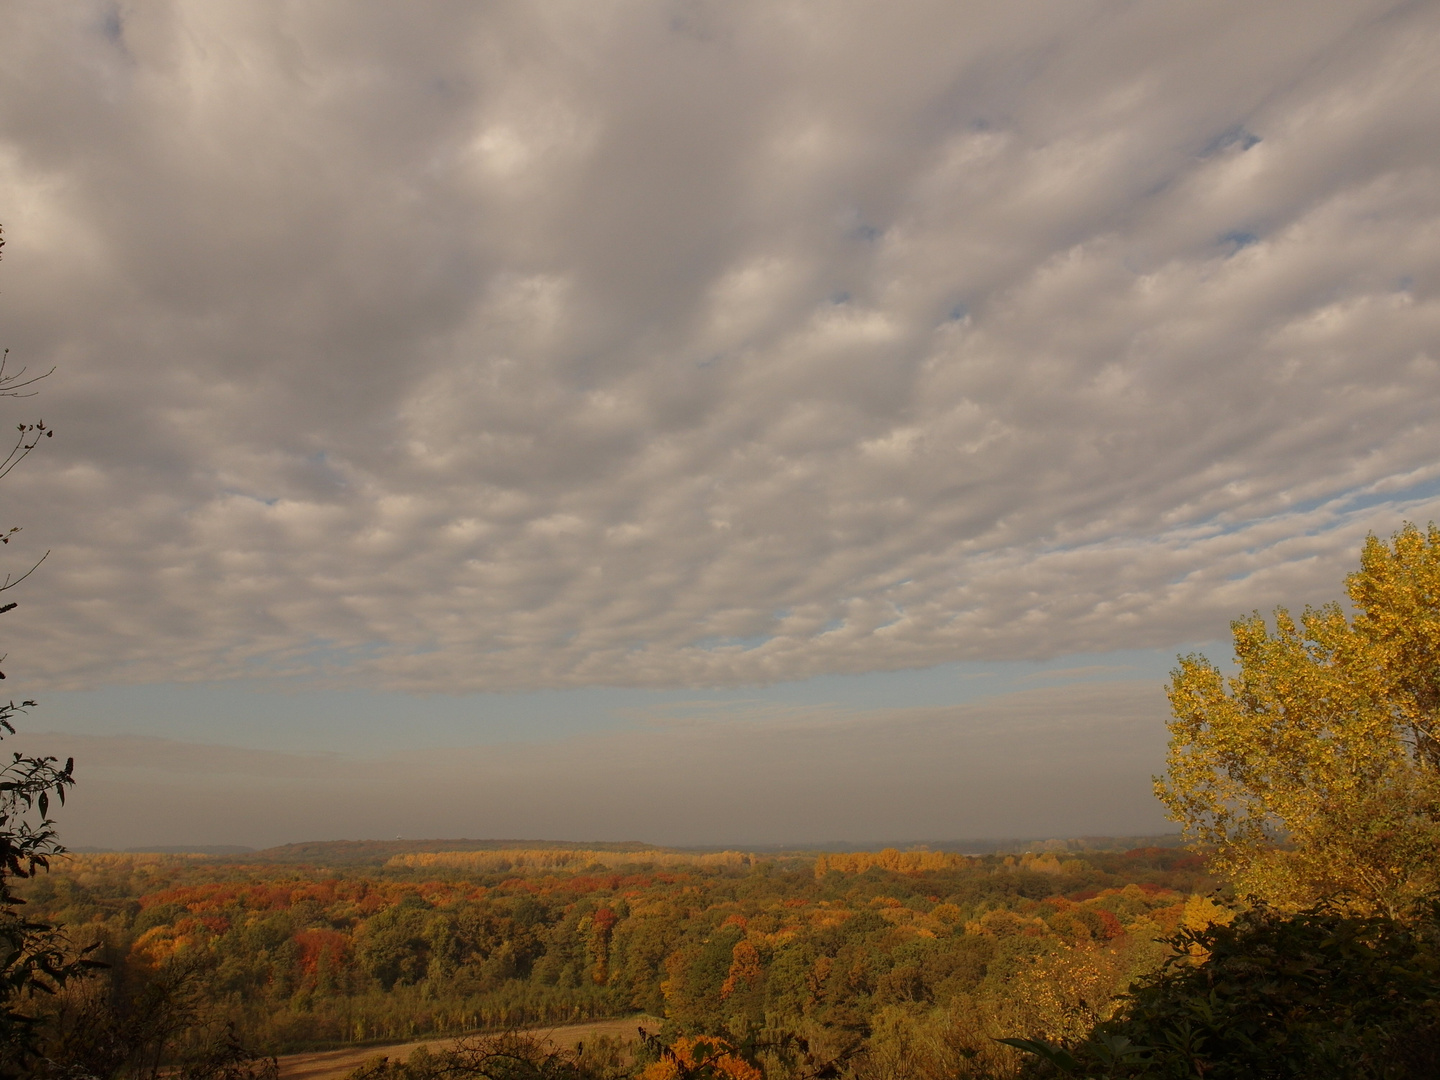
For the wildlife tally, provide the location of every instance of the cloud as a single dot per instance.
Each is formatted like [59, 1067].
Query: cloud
[1051, 761]
[702, 345]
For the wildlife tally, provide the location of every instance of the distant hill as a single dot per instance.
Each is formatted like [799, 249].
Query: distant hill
[168, 849]
[989, 846]
[1072, 843]
[378, 852]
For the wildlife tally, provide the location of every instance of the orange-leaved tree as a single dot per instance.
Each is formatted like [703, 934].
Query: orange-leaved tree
[1314, 773]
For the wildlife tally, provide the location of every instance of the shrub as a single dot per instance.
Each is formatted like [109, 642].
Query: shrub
[1319, 993]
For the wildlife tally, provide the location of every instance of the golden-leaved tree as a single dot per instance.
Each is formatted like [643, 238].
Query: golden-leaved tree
[1314, 773]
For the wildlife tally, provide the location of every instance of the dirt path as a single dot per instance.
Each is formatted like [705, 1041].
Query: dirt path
[333, 1064]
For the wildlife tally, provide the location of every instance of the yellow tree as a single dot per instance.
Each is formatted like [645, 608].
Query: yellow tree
[1315, 771]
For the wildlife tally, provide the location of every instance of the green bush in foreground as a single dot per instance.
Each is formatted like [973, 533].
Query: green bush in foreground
[1321, 993]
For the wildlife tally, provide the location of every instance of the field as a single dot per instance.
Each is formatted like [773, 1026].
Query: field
[333, 1064]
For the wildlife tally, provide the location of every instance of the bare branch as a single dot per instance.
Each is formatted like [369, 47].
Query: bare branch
[8, 584]
[12, 383]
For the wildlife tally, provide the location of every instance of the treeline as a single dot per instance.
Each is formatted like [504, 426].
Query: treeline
[859, 953]
[901, 862]
[375, 853]
[548, 860]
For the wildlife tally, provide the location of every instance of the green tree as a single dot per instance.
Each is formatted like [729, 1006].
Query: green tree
[35, 956]
[394, 945]
[1314, 772]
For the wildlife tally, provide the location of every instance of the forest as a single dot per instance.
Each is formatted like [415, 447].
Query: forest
[865, 952]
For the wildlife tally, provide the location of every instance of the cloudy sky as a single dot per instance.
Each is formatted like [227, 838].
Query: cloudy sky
[708, 422]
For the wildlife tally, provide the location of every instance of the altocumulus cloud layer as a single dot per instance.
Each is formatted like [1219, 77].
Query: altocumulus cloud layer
[501, 346]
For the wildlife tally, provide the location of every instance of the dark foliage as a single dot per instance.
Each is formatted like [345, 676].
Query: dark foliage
[145, 1024]
[36, 958]
[1321, 993]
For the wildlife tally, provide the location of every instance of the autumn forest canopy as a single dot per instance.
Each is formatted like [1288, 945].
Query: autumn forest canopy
[729, 944]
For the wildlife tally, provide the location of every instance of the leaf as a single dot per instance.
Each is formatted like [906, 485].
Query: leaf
[1058, 1056]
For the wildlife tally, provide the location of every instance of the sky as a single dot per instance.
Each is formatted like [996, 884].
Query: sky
[703, 423]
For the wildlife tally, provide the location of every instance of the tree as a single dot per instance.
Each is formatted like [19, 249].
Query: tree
[1314, 773]
[109, 1034]
[35, 957]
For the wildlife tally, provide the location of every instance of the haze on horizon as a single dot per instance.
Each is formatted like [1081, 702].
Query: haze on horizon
[692, 422]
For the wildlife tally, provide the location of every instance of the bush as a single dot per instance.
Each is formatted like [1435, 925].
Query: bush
[1321, 993]
[512, 1055]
